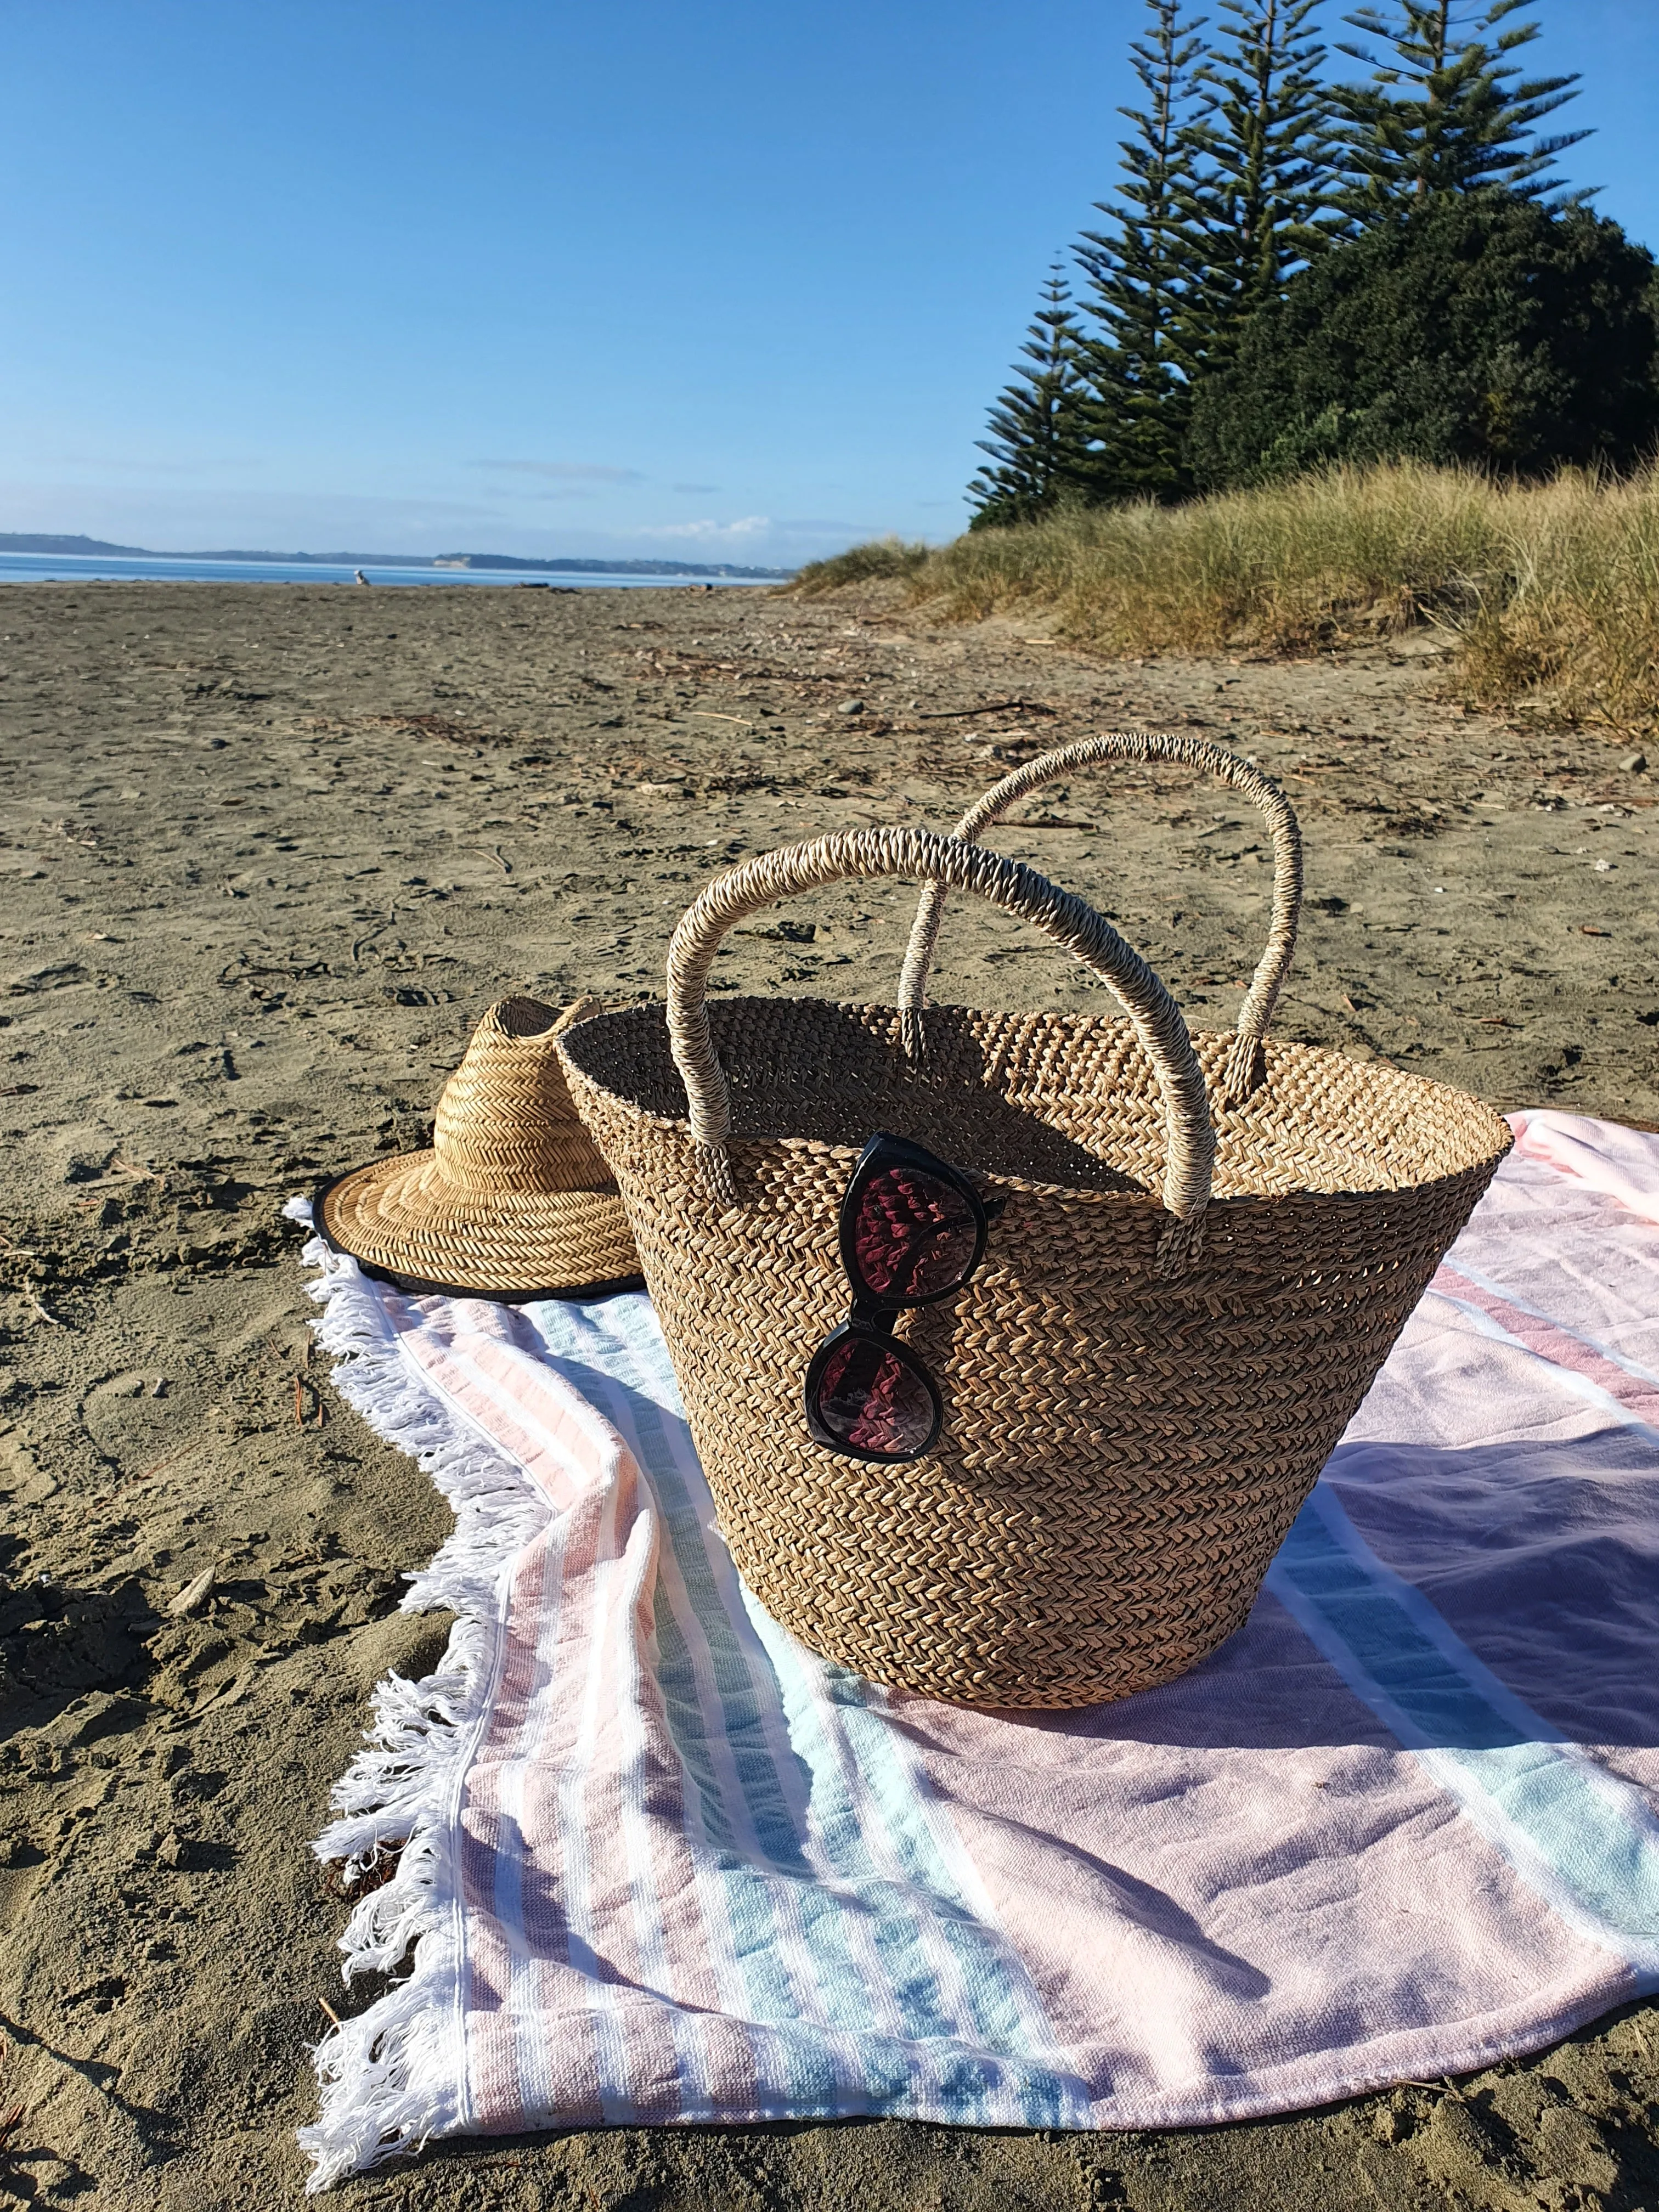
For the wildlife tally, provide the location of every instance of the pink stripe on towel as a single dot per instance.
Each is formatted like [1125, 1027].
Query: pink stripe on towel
[1637, 1392]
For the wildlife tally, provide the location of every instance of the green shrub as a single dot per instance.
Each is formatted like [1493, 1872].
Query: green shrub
[1485, 329]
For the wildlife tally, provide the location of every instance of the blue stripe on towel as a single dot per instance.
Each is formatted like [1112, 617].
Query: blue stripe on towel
[1007, 2009]
[757, 1757]
[912, 1915]
[723, 1745]
[974, 2084]
[994, 2081]
[1585, 1841]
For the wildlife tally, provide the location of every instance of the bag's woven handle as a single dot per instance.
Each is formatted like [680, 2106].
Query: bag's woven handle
[1189, 1139]
[1253, 1016]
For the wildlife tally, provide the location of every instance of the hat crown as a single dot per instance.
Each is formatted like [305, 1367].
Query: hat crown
[505, 1122]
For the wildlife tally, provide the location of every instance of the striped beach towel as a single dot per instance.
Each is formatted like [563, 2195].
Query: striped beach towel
[652, 1861]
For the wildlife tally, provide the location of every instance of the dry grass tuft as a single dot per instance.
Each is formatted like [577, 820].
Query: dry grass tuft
[1551, 590]
[883, 558]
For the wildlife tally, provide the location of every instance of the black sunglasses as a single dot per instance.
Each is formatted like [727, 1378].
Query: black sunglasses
[912, 1231]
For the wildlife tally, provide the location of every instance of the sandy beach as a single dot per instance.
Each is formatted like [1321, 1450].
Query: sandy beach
[268, 854]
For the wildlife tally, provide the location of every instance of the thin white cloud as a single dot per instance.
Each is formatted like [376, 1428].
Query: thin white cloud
[172, 519]
[111, 465]
[710, 532]
[566, 472]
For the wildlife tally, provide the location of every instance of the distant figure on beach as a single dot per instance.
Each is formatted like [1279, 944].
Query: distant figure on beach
[359, 574]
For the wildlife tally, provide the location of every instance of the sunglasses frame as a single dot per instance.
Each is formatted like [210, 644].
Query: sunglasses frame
[885, 1150]
[872, 1316]
[870, 1331]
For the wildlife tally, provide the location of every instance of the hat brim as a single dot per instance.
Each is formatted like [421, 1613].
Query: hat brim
[404, 1225]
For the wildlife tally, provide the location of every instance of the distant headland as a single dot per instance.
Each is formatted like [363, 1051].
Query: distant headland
[92, 548]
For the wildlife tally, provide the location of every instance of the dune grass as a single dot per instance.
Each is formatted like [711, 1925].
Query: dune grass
[878, 561]
[1551, 592]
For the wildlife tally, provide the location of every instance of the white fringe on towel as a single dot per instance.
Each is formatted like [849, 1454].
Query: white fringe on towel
[395, 2074]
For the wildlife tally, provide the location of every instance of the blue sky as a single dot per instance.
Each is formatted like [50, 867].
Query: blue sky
[735, 281]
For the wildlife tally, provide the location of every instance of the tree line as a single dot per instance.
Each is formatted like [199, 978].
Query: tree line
[1297, 268]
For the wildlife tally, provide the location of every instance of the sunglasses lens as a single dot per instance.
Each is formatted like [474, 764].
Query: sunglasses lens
[869, 1398]
[913, 1236]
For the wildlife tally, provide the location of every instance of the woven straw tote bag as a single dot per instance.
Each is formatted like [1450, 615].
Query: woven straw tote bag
[1206, 1247]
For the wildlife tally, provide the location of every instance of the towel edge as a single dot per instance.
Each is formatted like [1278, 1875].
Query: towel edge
[394, 2075]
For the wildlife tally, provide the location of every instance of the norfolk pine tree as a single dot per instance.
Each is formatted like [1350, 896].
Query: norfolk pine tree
[1269, 199]
[1144, 270]
[1040, 426]
[1245, 167]
[1444, 114]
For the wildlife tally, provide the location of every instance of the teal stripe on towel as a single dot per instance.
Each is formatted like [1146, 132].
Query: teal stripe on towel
[995, 2081]
[849, 2068]
[741, 1719]
[891, 2068]
[921, 1916]
[1585, 1841]
[963, 2049]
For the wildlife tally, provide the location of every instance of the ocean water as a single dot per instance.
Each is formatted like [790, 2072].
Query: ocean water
[88, 569]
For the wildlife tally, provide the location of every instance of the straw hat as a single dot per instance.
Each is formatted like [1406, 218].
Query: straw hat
[513, 1201]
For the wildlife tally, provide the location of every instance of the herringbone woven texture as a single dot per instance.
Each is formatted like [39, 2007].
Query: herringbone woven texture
[512, 1199]
[1126, 1441]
